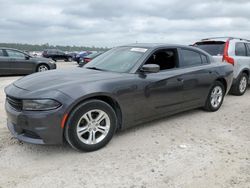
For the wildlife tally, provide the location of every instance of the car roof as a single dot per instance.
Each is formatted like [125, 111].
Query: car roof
[162, 45]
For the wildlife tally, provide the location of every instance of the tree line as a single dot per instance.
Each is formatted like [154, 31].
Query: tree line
[37, 47]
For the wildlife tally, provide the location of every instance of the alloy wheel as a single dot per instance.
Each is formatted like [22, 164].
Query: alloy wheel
[216, 96]
[42, 68]
[93, 127]
[243, 84]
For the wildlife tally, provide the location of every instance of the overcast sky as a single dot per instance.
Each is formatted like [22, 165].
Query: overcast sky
[117, 22]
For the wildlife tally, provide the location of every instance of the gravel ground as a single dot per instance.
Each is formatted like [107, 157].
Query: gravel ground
[191, 149]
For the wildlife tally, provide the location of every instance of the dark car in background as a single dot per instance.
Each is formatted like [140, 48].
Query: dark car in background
[56, 54]
[81, 55]
[14, 62]
[89, 58]
[126, 86]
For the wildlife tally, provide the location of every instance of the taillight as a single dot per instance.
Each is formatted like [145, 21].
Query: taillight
[226, 57]
[87, 60]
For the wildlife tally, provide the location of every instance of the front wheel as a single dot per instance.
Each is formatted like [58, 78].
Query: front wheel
[215, 97]
[42, 68]
[91, 126]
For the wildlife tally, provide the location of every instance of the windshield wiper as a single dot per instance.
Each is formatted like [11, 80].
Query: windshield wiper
[94, 68]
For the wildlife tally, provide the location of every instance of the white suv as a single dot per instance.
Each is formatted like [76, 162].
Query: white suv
[235, 51]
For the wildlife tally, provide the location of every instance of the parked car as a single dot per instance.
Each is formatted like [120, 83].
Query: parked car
[81, 55]
[235, 51]
[125, 86]
[73, 55]
[13, 61]
[89, 58]
[55, 55]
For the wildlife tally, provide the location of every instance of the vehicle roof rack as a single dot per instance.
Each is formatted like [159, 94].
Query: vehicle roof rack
[230, 38]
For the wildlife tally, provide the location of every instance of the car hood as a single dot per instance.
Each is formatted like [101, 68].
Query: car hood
[57, 79]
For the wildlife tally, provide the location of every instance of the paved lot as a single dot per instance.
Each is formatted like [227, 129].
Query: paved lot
[191, 149]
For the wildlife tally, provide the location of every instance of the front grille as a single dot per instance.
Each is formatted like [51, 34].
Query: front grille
[15, 103]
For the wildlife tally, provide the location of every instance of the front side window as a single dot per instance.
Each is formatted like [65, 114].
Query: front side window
[166, 59]
[190, 58]
[121, 59]
[240, 49]
[15, 54]
[1, 53]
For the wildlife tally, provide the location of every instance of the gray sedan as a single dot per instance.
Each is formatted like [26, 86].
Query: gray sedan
[125, 86]
[15, 62]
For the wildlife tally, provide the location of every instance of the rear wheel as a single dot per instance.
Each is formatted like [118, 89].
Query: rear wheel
[215, 97]
[240, 86]
[91, 126]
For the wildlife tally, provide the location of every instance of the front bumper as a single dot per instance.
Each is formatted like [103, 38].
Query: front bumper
[53, 66]
[35, 127]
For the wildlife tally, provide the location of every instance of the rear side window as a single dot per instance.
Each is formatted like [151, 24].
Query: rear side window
[248, 49]
[240, 49]
[214, 48]
[190, 58]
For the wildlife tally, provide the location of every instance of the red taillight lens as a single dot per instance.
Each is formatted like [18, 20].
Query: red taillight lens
[226, 57]
[87, 60]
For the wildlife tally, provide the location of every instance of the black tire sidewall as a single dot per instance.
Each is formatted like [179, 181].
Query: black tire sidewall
[238, 83]
[209, 106]
[71, 134]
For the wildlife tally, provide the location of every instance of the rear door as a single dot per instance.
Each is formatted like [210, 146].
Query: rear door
[4, 63]
[198, 75]
[20, 63]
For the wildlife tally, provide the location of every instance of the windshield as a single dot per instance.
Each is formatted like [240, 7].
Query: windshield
[121, 59]
[214, 48]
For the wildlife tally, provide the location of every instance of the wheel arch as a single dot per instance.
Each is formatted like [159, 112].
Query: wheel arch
[102, 97]
[246, 71]
[223, 81]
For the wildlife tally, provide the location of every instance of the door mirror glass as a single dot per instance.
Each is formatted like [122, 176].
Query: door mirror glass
[150, 68]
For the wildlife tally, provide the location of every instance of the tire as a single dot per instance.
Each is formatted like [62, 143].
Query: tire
[80, 129]
[42, 68]
[215, 97]
[240, 86]
[69, 59]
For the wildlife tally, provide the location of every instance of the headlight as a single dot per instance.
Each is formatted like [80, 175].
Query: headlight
[52, 62]
[40, 104]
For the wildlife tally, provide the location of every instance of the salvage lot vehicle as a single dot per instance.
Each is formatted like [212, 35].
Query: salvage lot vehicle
[56, 54]
[89, 58]
[235, 51]
[13, 61]
[125, 86]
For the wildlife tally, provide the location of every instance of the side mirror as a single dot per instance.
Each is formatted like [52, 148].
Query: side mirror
[150, 68]
[27, 57]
